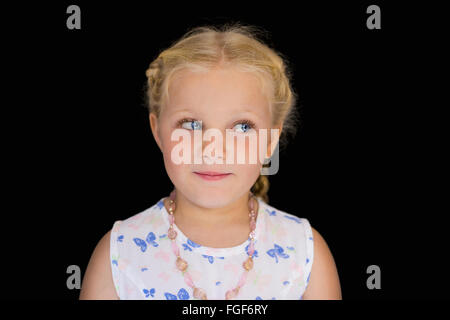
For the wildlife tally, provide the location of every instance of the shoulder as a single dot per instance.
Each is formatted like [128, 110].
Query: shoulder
[324, 279]
[98, 282]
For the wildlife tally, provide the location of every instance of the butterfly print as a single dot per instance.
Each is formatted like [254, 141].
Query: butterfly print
[296, 219]
[276, 252]
[189, 244]
[182, 295]
[255, 252]
[150, 292]
[143, 245]
[211, 258]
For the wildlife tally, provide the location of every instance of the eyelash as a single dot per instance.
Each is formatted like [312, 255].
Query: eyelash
[250, 123]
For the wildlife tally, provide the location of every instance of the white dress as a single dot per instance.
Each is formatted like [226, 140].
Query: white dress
[143, 264]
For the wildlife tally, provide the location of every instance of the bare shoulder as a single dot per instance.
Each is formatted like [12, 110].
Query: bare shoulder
[98, 282]
[324, 279]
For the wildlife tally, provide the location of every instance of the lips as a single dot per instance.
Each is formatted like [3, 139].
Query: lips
[212, 175]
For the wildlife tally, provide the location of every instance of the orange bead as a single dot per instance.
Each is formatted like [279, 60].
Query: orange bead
[248, 264]
[181, 264]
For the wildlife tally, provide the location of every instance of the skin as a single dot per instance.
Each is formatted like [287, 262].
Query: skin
[209, 212]
[213, 214]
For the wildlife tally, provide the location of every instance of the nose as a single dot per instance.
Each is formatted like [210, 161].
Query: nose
[211, 152]
[214, 159]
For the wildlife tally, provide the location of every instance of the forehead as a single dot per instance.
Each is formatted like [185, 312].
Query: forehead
[228, 89]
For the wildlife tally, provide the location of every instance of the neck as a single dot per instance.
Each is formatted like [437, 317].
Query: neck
[232, 214]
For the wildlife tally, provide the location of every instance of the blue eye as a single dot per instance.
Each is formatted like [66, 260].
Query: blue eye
[245, 126]
[191, 124]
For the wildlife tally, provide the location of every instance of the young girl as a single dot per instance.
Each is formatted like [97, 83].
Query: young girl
[215, 236]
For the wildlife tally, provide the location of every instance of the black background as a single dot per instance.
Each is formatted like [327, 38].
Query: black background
[79, 153]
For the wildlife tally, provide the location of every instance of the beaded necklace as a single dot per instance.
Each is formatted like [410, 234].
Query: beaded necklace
[182, 265]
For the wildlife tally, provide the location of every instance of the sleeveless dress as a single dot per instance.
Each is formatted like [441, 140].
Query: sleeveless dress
[143, 264]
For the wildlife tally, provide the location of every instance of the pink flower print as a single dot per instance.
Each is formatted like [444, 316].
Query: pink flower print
[128, 288]
[278, 231]
[122, 264]
[165, 276]
[233, 268]
[296, 269]
[196, 276]
[154, 220]
[258, 279]
[135, 222]
[163, 255]
[134, 226]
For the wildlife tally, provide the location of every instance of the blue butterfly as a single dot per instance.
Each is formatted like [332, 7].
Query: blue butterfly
[296, 219]
[120, 238]
[150, 292]
[217, 283]
[150, 239]
[192, 244]
[259, 298]
[115, 262]
[211, 258]
[182, 295]
[285, 283]
[277, 252]
[160, 204]
[271, 213]
[255, 252]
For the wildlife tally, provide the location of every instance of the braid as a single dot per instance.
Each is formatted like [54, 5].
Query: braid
[155, 78]
[261, 187]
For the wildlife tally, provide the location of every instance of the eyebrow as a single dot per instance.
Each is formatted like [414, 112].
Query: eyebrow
[242, 112]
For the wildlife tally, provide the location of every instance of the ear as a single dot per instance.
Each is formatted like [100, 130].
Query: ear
[155, 129]
[271, 146]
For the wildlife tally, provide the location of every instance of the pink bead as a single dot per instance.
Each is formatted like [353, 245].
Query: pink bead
[252, 225]
[242, 279]
[171, 219]
[172, 234]
[251, 204]
[175, 249]
[231, 294]
[173, 194]
[251, 248]
[188, 280]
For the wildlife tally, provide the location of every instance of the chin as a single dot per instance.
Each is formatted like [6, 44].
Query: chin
[209, 197]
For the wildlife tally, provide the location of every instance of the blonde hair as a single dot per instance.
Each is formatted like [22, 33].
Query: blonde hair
[234, 45]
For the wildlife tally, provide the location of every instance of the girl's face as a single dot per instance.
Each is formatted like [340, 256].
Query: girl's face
[220, 99]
